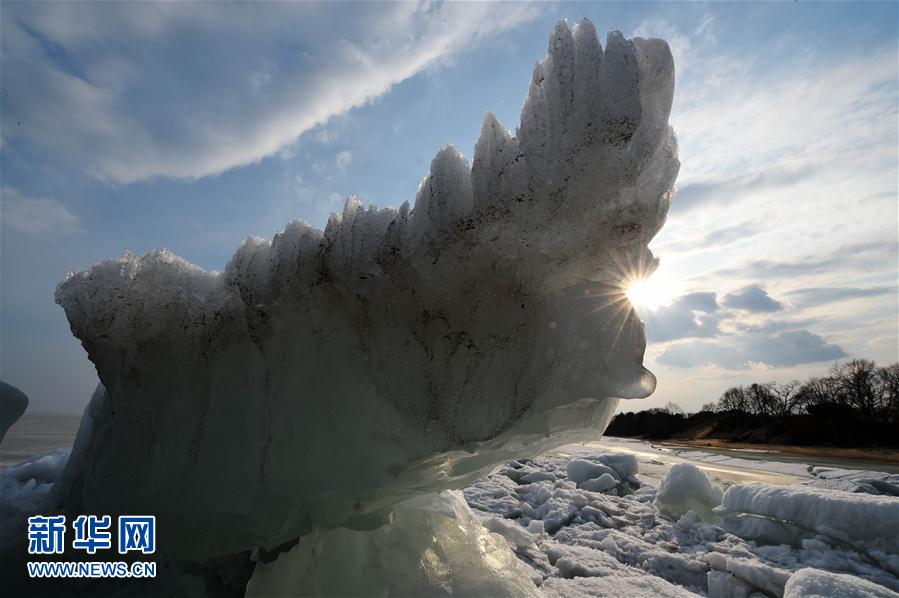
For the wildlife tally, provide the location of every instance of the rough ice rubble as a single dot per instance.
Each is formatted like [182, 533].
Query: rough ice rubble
[585, 542]
[608, 545]
[417, 348]
[601, 472]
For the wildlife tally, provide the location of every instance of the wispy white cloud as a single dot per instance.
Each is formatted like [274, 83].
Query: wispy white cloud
[825, 295]
[790, 144]
[788, 181]
[684, 44]
[129, 92]
[35, 216]
[831, 262]
[793, 140]
[343, 159]
[806, 109]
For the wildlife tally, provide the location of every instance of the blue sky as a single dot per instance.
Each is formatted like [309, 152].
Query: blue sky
[191, 125]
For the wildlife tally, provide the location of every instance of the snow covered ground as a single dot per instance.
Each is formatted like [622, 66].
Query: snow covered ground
[627, 518]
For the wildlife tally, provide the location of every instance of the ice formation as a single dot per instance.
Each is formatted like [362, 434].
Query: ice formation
[326, 376]
[868, 523]
[814, 583]
[25, 489]
[601, 472]
[13, 403]
[686, 488]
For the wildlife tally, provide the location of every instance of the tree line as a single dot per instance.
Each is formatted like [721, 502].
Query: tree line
[858, 387]
[856, 404]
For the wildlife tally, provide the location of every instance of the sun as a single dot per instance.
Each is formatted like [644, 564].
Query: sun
[649, 292]
[639, 292]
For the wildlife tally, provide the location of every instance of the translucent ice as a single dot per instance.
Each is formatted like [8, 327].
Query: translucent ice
[326, 376]
[432, 547]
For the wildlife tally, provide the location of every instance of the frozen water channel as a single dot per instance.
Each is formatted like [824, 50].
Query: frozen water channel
[655, 461]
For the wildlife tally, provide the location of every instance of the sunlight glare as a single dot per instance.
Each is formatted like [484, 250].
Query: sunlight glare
[650, 292]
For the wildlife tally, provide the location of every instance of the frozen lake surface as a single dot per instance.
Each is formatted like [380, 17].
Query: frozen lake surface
[766, 454]
[36, 434]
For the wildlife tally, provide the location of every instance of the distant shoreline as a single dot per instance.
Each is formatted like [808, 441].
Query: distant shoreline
[836, 431]
[862, 454]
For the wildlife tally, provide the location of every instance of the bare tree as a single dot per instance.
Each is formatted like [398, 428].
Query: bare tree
[734, 399]
[854, 385]
[887, 381]
[855, 390]
[673, 408]
[761, 399]
[786, 399]
[817, 392]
